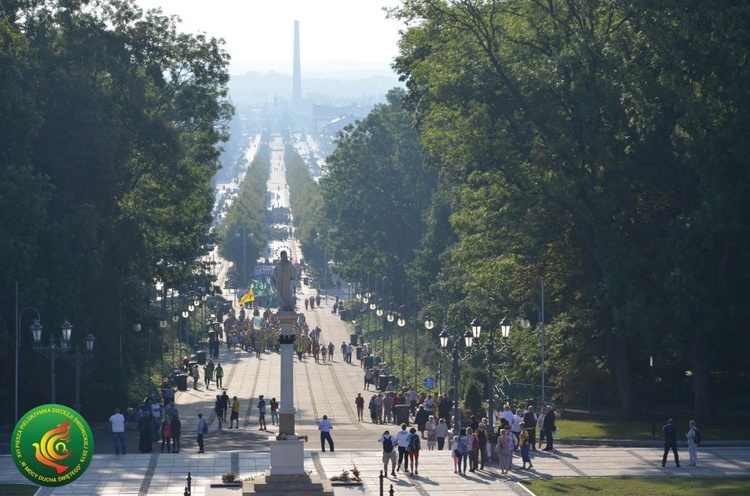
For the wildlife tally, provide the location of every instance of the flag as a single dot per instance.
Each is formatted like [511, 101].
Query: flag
[249, 296]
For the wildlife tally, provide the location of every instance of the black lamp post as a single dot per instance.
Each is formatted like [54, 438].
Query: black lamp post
[476, 332]
[19, 315]
[62, 349]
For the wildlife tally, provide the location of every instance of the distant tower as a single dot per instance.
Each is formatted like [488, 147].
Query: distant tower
[296, 75]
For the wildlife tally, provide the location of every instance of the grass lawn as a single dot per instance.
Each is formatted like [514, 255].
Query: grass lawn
[630, 486]
[619, 429]
[17, 490]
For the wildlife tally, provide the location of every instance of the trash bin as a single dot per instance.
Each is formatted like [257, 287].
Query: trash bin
[345, 315]
[200, 357]
[181, 380]
[359, 349]
[369, 361]
[402, 414]
[383, 382]
[353, 339]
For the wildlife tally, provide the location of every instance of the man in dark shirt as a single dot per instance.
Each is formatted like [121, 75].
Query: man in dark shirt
[670, 442]
[549, 427]
[529, 418]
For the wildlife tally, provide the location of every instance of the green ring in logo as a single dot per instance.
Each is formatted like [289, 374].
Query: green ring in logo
[52, 445]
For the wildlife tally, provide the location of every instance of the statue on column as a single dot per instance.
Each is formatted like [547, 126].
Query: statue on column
[282, 277]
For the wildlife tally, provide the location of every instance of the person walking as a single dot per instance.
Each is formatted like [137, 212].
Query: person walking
[201, 430]
[331, 349]
[455, 453]
[693, 436]
[218, 409]
[463, 451]
[360, 402]
[262, 413]
[540, 423]
[669, 431]
[118, 431]
[176, 425]
[368, 378]
[473, 449]
[389, 452]
[504, 450]
[431, 429]
[325, 428]
[441, 431]
[208, 372]
[402, 444]
[219, 372]
[525, 443]
[166, 435]
[235, 416]
[225, 405]
[413, 446]
[196, 376]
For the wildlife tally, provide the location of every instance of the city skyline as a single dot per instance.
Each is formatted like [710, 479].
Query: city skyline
[337, 35]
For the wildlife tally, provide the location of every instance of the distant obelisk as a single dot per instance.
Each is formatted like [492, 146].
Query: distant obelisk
[297, 74]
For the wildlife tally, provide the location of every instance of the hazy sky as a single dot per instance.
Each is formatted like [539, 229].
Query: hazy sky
[336, 35]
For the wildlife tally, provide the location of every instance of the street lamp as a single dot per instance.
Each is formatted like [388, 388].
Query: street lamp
[56, 350]
[19, 315]
[526, 324]
[476, 332]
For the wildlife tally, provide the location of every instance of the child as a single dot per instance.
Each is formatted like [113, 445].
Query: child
[166, 435]
[455, 454]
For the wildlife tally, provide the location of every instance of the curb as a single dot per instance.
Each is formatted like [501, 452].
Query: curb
[656, 443]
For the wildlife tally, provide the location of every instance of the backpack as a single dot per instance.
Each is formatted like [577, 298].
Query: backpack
[414, 444]
[388, 444]
[697, 438]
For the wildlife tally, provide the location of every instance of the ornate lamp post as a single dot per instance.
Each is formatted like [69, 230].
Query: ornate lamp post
[55, 350]
[476, 332]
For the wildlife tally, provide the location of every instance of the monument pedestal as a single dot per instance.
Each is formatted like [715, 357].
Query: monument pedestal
[283, 485]
[287, 457]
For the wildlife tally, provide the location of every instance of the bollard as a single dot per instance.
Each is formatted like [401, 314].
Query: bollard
[390, 493]
[381, 482]
[189, 484]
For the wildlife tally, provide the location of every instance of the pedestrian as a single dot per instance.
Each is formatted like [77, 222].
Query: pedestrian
[219, 375]
[525, 443]
[515, 426]
[349, 353]
[218, 408]
[317, 301]
[670, 442]
[455, 453]
[224, 405]
[431, 429]
[274, 411]
[388, 408]
[401, 437]
[481, 434]
[331, 349]
[235, 416]
[463, 451]
[504, 450]
[549, 428]
[196, 376]
[118, 431]
[693, 436]
[176, 431]
[473, 449]
[208, 375]
[379, 408]
[373, 409]
[413, 445]
[540, 423]
[325, 428]
[529, 418]
[441, 431]
[307, 304]
[368, 378]
[412, 401]
[262, 413]
[167, 393]
[201, 430]
[421, 419]
[144, 431]
[389, 453]
[166, 435]
[360, 402]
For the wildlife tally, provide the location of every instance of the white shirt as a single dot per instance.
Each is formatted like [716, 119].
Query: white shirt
[325, 425]
[401, 436]
[516, 425]
[507, 415]
[118, 422]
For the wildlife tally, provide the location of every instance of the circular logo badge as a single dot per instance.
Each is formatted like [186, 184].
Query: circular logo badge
[52, 445]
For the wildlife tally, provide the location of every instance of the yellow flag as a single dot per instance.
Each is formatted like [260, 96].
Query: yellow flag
[248, 297]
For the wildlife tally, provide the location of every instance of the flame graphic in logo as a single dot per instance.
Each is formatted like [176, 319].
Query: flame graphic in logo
[53, 447]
